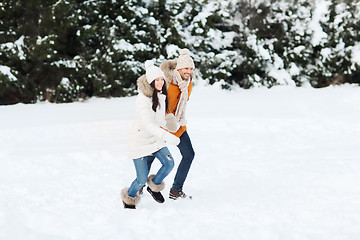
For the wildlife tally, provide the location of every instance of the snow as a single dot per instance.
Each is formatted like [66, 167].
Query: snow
[66, 63]
[356, 54]
[319, 16]
[172, 50]
[279, 163]
[17, 47]
[7, 72]
[123, 45]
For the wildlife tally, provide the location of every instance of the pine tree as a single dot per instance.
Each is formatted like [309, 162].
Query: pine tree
[74, 49]
[213, 38]
[253, 42]
[68, 50]
[36, 48]
[293, 40]
[165, 28]
[335, 64]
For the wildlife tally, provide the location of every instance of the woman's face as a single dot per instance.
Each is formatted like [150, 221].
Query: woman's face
[159, 83]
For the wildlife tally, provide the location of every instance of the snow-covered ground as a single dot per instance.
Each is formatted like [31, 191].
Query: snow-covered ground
[280, 163]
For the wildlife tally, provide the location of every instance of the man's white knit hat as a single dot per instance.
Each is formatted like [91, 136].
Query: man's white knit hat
[184, 60]
[152, 72]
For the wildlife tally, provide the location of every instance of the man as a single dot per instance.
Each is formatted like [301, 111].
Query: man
[179, 76]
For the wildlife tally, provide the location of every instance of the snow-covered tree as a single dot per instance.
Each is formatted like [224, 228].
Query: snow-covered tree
[335, 62]
[272, 42]
[62, 51]
[67, 50]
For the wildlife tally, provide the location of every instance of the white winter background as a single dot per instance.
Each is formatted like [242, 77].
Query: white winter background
[279, 163]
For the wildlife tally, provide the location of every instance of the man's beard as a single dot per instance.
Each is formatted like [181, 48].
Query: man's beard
[185, 77]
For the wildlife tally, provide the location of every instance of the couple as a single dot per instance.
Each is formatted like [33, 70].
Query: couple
[160, 120]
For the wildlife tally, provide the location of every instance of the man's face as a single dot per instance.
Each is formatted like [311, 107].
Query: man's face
[185, 73]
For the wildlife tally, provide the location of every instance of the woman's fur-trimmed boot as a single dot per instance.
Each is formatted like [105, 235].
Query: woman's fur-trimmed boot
[154, 189]
[129, 202]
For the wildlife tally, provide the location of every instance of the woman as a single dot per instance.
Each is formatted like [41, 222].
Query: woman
[148, 137]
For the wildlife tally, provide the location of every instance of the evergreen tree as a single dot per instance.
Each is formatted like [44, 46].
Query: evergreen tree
[67, 50]
[63, 51]
[34, 46]
[272, 42]
[335, 64]
[253, 42]
[202, 28]
[292, 40]
[213, 33]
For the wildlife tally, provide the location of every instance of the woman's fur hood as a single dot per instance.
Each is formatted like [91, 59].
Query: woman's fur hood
[144, 86]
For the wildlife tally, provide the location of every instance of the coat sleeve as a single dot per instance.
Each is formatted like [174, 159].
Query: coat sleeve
[146, 116]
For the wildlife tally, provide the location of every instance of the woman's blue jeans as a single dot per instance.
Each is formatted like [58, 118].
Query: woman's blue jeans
[188, 155]
[142, 170]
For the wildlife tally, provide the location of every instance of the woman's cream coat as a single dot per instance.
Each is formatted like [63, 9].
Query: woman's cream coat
[146, 134]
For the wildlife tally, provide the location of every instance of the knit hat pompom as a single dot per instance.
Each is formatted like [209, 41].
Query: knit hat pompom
[184, 51]
[152, 72]
[184, 60]
[149, 63]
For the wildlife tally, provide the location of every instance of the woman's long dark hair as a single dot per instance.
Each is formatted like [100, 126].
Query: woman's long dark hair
[155, 99]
